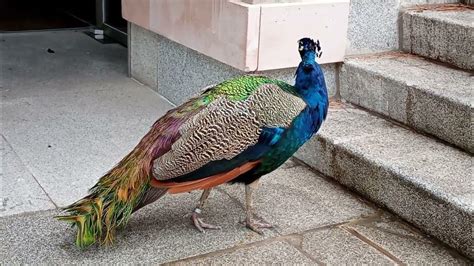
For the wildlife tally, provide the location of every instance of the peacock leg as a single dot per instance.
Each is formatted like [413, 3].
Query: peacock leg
[198, 222]
[250, 222]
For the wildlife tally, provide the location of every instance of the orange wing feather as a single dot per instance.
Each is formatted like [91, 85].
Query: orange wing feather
[208, 182]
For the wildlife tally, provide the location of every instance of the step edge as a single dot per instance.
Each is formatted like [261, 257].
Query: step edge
[421, 186]
[419, 14]
[455, 100]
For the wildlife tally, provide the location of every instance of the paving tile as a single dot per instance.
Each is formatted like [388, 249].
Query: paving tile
[275, 252]
[296, 199]
[77, 64]
[158, 233]
[73, 125]
[19, 191]
[68, 146]
[407, 244]
[335, 246]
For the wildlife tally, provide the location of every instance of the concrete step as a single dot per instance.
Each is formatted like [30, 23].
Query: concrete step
[424, 181]
[427, 96]
[440, 32]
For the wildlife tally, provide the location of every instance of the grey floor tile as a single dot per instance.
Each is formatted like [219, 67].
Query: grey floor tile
[77, 64]
[158, 233]
[19, 191]
[274, 252]
[72, 115]
[407, 244]
[335, 246]
[296, 199]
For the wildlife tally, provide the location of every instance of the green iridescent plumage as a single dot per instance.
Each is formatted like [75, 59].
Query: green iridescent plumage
[238, 89]
[110, 202]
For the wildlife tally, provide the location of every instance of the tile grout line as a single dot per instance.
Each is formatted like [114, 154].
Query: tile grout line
[173, 105]
[288, 238]
[30, 172]
[284, 238]
[227, 250]
[299, 246]
[374, 245]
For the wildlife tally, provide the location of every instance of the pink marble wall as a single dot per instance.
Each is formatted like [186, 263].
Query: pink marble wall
[246, 36]
[137, 11]
[218, 28]
[281, 25]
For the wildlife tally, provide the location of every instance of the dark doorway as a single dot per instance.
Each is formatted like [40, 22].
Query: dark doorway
[24, 15]
[21, 15]
[109, 12]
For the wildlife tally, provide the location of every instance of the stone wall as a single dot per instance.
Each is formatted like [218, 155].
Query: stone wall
[177, 72]
[374, 24]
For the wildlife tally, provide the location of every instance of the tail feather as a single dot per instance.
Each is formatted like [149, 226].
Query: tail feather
[150, 196]
[111, 202]
[85, 214]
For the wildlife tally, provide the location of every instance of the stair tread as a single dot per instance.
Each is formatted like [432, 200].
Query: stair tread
[440, 80]
[462, 15]
[434, 166]
[418, 92]
[441, 32]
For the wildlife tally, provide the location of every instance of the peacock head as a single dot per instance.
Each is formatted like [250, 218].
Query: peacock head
[308, 47]
[309, 75]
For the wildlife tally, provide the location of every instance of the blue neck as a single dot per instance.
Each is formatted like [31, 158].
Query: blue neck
[309, 57]
[310, 84]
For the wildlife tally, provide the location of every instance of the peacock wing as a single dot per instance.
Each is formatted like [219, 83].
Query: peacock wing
[228, 133]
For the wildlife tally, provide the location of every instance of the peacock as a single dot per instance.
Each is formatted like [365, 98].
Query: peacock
[233, 132]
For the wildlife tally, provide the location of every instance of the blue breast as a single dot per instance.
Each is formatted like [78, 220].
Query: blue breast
[304, 126]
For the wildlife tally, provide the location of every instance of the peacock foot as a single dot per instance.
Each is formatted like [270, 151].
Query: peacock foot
[200, 224]
[256, 225]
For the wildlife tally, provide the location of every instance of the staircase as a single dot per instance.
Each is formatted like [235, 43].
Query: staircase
[402, 135]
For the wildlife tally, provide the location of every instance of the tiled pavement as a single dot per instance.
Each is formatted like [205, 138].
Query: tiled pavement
[68, 117]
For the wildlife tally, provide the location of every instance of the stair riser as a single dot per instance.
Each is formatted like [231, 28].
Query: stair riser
[438, 39]
[442, 117]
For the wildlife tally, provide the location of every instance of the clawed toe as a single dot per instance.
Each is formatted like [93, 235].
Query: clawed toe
[201, 225]
[256, 226]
